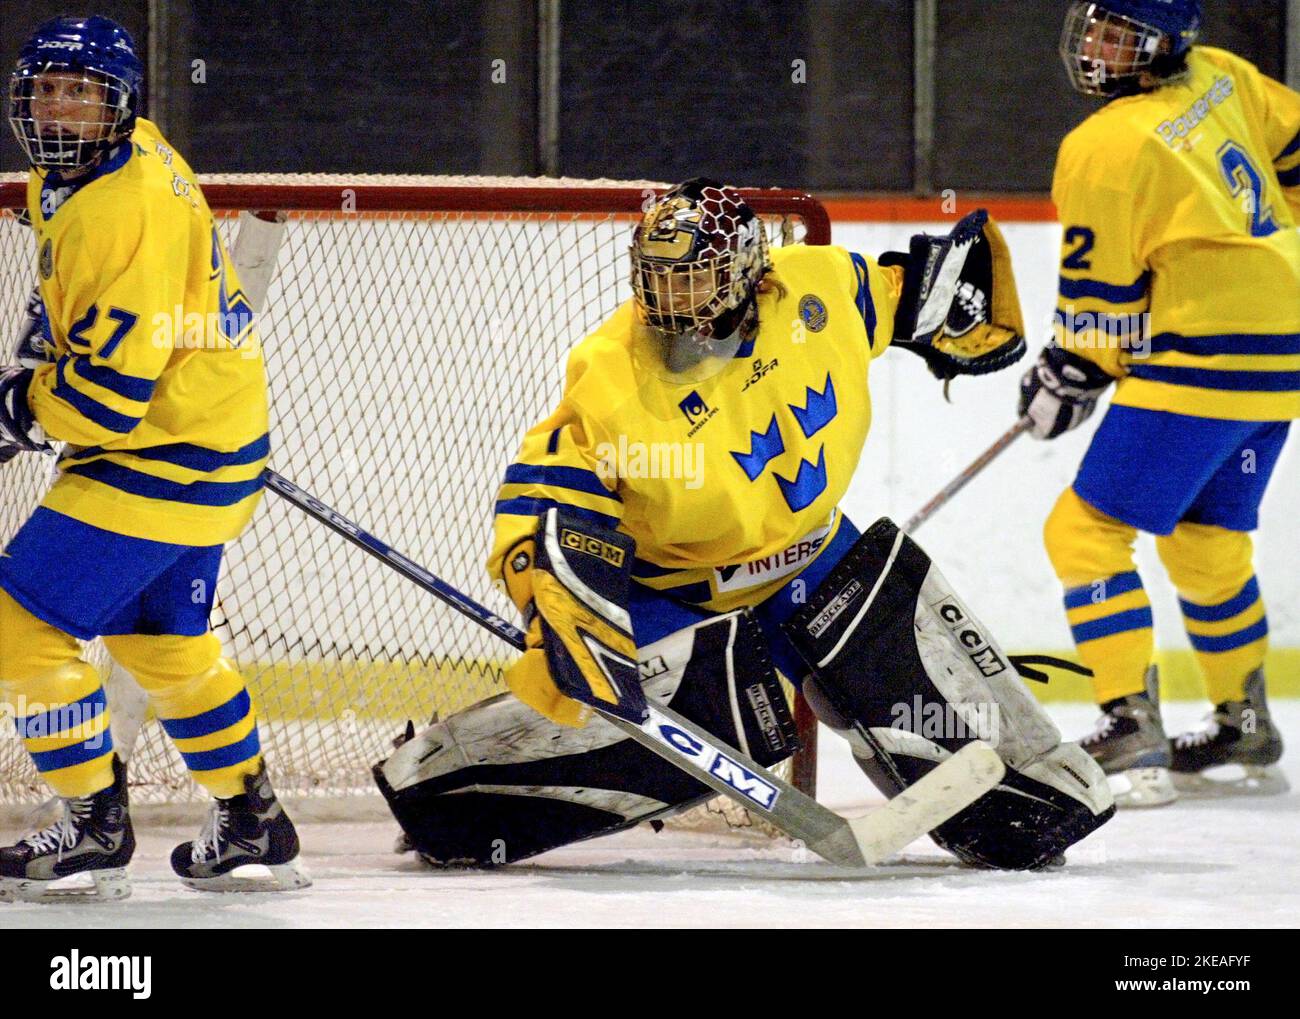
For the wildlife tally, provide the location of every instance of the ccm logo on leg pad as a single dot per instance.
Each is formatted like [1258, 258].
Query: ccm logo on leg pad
[971, 640]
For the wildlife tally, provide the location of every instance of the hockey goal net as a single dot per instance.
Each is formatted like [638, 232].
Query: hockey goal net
[413, 329]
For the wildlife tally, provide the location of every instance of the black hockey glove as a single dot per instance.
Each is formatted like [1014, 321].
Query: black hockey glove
[19, 431]
[1060, 391]
[35, 344]
[959, 308]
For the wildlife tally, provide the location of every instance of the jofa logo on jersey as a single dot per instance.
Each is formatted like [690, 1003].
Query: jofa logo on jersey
[760, 372]
[812, 312]
[697, 412]
[47, 259]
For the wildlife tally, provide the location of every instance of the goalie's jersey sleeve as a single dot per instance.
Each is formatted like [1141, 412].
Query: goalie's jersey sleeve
[730, 484]
[159, 388]
[1180, 266]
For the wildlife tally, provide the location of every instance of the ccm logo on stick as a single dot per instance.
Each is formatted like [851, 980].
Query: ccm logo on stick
[719, 765]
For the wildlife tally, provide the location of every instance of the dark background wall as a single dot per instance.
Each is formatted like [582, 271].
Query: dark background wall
[815, 94]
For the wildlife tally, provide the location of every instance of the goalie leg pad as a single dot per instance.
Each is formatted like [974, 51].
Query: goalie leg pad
[498, 783]
[901, 668]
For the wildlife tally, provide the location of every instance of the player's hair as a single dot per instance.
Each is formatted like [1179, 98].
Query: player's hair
[770, 283]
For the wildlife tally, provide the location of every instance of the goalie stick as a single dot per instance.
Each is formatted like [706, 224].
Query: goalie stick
[848, 842]
[968, 475]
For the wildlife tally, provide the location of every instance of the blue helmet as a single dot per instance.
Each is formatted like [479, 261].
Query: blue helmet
[97, 101]
[1109, 46]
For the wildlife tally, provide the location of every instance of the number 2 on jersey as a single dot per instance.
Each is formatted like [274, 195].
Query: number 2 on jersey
[1247, 184]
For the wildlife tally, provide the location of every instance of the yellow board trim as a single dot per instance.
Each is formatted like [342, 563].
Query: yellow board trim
[398, 691]
[1180, 677]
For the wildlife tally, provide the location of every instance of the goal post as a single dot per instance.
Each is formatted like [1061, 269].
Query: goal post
[414, 328]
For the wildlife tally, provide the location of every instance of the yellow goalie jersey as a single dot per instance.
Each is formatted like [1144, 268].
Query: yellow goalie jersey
[159, 388]
[1180, 269]
[729, 484]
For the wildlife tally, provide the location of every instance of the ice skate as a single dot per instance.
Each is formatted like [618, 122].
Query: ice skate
[93, 836]
[1234, 752]
[251, 828]
[1129, 743]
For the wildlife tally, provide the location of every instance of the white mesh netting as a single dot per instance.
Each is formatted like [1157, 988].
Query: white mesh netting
[407, 352]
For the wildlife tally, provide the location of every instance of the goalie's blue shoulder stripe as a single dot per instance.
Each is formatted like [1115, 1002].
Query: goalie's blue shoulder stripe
[575, 479]
[866, 306]
[1109, 292]
[1290, 178]
[1291, 148]
[525, 507]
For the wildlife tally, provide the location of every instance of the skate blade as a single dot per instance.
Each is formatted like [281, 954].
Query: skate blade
[1227, 780]
[1142, 787]
[283, 877]
[105, 885]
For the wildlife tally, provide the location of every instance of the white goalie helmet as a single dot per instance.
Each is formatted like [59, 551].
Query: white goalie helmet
[698, 255]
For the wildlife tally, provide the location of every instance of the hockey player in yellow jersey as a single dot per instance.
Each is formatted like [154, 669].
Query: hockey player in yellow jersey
[672, 531]
[142, 359]
[1180, 285]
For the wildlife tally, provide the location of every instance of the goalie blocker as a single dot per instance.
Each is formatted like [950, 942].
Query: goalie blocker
[908, 676]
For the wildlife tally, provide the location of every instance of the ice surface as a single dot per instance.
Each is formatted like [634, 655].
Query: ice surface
[1230, 863]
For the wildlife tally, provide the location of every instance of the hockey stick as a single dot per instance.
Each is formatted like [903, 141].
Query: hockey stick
[968, 475]
[849, 842]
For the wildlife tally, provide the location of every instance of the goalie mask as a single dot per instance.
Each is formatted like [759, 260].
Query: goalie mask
[1109, 47]
[697, 257]
[75, 91]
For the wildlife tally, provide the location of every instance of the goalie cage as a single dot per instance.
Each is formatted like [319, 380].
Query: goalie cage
[414, 327]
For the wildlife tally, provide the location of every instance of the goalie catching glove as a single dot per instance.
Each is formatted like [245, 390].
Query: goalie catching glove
[959, 310]
[572, 579]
